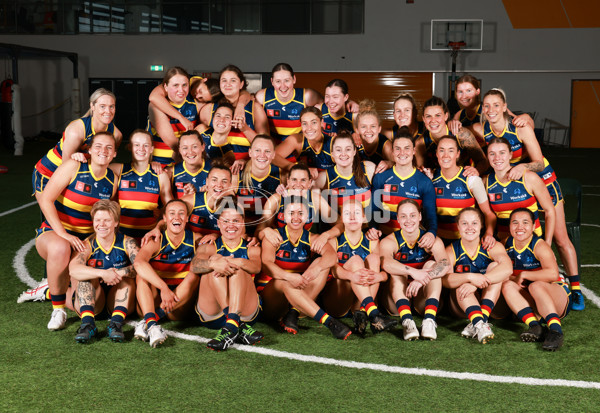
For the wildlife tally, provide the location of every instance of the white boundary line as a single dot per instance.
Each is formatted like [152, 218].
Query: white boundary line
[10, 211]
[19, 264]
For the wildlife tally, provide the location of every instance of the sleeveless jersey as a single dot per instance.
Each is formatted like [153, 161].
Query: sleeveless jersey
[331, 124]
[525, 259]
[163, 152]
[309, 204]
[53, 159]
[344, 187]
[505, 198]
[321, 159]
[451, 196]
[377, 155]
[202, 219]
[239, 143]
[430, 159]
[182, 176]
[463, 262]
[465, 120]
[214, 151]
[139, 197]
[241, 251]
[172, 262]
[76, 200]
[411, 255]
[115, 257]
[345, 250]
[254, 197]
[284, 118]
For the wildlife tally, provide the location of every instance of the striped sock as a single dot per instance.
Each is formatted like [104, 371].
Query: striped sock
[233, 322]
[119, 314]
[528, 317]
[86, 312]
[150, 319]
[47, 293]
[58, 301]
[487, 306]
[296, 310]
[403, 306]
[553, 322]
[160, 313]
[574, 281]
[474, 314]
[370, 308]
[431, 308]
[322, 317]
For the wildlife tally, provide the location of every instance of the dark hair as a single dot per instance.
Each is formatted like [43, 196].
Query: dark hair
[294, 199]
[403, 133]
[472, 209]
[528, 211]
[224, 103]
[213, 88]
[175, 70]
[357, 165]
[195, 133]
[435, 101]
[104, 133]
[415, 110]
[172, 201]
[139, 131]
[282, 67]
[313, 110]
[499, 139]
[229, 202]
[469, 79]
[299, 167]
[218, 164]
[411, 202]
[238, 72]
[339, 83]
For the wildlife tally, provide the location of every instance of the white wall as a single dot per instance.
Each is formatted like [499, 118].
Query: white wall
[535, 67]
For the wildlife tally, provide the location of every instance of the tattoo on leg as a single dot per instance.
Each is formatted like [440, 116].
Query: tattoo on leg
[85, 293]
[124, 299]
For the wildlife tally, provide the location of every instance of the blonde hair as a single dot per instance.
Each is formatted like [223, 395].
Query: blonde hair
[247, 172]
[366, 107]
[113, 208]
[98, 93]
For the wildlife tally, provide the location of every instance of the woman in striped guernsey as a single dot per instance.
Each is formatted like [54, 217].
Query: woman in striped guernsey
[189, 175]
[476, 276]
[405, 115]
[216, 138]
[66, 203]
[535, 291]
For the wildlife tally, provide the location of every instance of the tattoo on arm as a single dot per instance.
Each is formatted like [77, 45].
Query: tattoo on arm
[200, 266]
[439, 268]
[85, 293]
[125, 293]
[126, 272]
[132, 248]
[80, 259]
[535, 166]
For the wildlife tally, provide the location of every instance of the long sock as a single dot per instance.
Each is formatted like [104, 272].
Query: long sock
[574, 281]
[370, 307]
[528, 317]
[150, 319]
[87, 314]
[47, 293]
[119, 314]
[487, 306]
[58, 300]
[160, 313]
[403, 306]
[553, 322]
[323, 318]
[474, 314]
[431, 308]
[233, 322]
[294, 309]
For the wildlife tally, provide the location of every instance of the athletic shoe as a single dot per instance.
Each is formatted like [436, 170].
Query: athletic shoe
[225, 339]
[115, 332]
[484, 332]
[339, 329]
[469, 331]
[410, 330]
[86, 332]
[156, 335]
[534, 333]
[428, 329]
[37, 293]
[578, 304]
[290, 322]
[58, 319]
[141, 331]
[360, 320]
[554, 340]
[248, 335]
[381, 323]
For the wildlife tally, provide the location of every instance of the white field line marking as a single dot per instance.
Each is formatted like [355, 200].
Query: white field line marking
[19, 265]
[590, 225]
[590, 295]
[10, 211]
[592, 194]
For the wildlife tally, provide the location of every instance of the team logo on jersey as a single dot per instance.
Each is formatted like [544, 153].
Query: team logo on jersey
[164, 257]
[283, 254]
[390, 188]
[343, 256]
[439, 191]
[96, 263]
[273, 113]
[495, 197]
[401, 256]
[129, 184]
[327, 126]
[83, 187]
[179, 185]
[463, 268]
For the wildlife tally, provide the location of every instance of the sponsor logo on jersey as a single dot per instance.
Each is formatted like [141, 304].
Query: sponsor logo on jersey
[83, 187]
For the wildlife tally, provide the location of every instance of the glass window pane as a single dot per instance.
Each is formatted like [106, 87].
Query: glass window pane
[245, 17]
[286, 17]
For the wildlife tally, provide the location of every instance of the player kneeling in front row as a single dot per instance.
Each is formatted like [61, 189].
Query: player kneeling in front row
[415, 272]
[477, 275]
[165, 285]
[227, 298]
[107, 257]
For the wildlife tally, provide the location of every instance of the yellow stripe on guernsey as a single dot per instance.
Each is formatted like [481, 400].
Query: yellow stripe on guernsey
[166, 274]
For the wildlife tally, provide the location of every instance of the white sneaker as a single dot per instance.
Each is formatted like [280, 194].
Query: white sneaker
[37, 293]
[410, 330]
[428, 329]
[141, 332]
[58, 319]
[484, 332]
[157, 335]
[469, 331]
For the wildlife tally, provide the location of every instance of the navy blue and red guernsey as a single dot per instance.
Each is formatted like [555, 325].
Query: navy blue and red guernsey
[311, 211]
[411, 255]
[463, 262]
[239, 143]
[253, 198]
[377, 155]
[284, 118]
[505, 198]
[182, 176]
[53, 159]
[214, 151]
[390, 189]
[76, 200]
[139, 197]
[430, 160]
[172, 262]
[203, 219]
[451, 195]
[331, 124]
[240, 251]
[290, 257]
[344, 187]
[345, 250]
[466, 121]
[115, 257]
[163, 152]
[525, 259]
[321, 159]
[396, 130]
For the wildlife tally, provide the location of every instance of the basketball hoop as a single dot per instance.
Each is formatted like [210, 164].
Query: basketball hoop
[456, 46]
